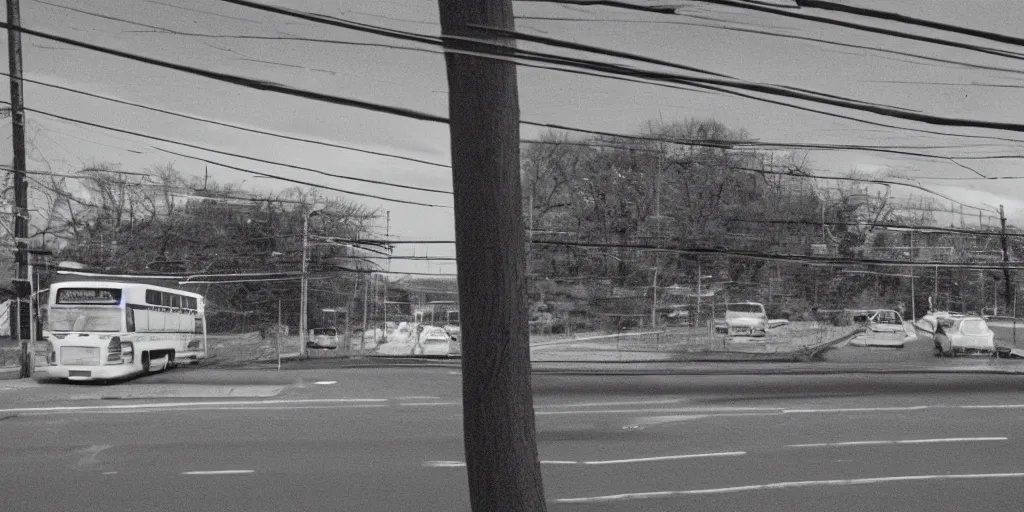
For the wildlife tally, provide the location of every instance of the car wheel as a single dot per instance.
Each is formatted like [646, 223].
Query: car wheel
[947, 347]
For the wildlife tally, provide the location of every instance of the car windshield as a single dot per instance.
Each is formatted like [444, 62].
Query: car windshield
[80, 319]
[974, 327]
[745, 308]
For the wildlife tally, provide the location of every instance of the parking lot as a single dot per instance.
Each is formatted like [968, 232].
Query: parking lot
[918, 351]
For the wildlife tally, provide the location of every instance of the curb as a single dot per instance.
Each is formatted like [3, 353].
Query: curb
[784, 371]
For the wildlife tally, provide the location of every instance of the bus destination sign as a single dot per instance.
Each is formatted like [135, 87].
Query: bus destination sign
[106, 296]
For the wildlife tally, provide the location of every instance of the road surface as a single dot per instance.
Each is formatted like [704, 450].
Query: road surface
[372, 439]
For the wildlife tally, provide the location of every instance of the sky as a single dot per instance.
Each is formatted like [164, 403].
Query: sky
[416, 80]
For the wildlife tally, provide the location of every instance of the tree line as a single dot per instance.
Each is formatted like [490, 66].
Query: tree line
[162, 222]
[697, 184]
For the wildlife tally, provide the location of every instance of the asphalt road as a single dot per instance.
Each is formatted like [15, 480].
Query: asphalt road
[390, 440]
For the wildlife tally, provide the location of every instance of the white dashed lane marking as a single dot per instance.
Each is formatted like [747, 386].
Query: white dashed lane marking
[460, 464]
[220, 472]
[665, 457]
[900, 441]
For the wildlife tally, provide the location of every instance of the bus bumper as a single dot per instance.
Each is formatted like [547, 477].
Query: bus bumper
[89, 372]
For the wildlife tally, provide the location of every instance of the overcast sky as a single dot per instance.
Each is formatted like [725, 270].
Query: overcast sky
[416, 80]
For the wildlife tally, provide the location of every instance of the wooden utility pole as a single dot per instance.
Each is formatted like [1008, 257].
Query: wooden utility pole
[1007, 285]
[499, 430]
[304, 285]
[21, 280]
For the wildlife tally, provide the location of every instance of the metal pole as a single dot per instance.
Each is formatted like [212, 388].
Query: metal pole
[278, 331]
[20, 185]
[366, 296]
[1007, 284]
[31, 308]
[913, 303]
[698, 293]
[305, 284]
[654, 302]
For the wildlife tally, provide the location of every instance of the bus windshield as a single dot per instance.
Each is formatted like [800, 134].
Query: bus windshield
[93, 319]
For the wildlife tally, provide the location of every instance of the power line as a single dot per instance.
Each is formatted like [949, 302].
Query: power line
[608, 68]
[857, 26]
[723, 85]
[230, 125]
[780, 35]
[740, 144]
[910, 20]
[794, 258]
[432, 51]
[899, 227]
[251, 83]
[863, 180]
[802, 175]
[161, 139]
[325, 187]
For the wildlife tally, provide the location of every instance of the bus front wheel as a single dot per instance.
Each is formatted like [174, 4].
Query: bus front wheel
[145, 362]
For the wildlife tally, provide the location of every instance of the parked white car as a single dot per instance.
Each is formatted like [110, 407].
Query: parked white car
[883, 328]
[746, 319]
[434, 341]
[969, 334]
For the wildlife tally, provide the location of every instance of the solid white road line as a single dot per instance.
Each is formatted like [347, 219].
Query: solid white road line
[612, 404]
[326, 382]
[901, 441]
[171, 405]
[444, 464]
[696, 410]
[665, 457]
[459, 464]
[220, 472]
[417, 398]
[785, 485]
[860, 409]
[242, 408]
[431, 403]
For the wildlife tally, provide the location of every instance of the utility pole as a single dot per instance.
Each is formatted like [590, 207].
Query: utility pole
[913, 299]
[366, 298]
[277, 329]
[1007, 285]
[387, 237]
[499, 429]
[21, 283]
[303, 305]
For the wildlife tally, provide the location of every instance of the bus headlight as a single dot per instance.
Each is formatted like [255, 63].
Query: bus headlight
[128, 352]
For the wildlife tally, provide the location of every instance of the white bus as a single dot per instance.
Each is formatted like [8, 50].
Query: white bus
[107, 330]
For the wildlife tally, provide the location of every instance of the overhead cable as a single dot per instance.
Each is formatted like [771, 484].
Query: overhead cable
[161, 139]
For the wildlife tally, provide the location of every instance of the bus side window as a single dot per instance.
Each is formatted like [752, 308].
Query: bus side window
[129, 319]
